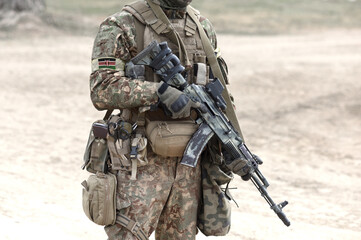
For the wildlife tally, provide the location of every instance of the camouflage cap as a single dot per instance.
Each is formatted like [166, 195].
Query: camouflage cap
[173, 4]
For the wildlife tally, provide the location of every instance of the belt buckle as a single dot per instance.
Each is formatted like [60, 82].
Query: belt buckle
[135, 228]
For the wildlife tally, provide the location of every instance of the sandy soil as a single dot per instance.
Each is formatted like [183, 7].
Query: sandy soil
[298, 101]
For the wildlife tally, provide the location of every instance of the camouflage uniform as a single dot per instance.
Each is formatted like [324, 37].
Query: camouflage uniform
[165, 197]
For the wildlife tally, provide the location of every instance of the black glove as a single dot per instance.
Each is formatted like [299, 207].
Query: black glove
[241, 167]
[175, 102]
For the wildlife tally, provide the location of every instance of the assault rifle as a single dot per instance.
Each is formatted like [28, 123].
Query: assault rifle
[212, 121]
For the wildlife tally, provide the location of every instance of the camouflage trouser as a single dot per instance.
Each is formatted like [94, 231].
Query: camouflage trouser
[165, 198]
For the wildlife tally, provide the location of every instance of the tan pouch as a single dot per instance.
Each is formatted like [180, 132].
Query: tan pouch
[170, 138]
[118, 149]
[96, 152]
[99, 198]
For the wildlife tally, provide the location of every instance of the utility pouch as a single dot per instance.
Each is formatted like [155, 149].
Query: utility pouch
[118, 141]
[214, 218]
[170, 138]
[96, 153]
[99, 198]
[126, 148]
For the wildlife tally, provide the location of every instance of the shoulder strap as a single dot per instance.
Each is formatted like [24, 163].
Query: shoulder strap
[231, 114]
[152, 15]
[145, 15]
[171, 33]
[107, 114]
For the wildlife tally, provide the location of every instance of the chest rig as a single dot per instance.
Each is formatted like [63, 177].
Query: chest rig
[149, 28]
[186, 37]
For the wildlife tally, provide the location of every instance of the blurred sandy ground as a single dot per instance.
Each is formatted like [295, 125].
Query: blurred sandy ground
[298, 101]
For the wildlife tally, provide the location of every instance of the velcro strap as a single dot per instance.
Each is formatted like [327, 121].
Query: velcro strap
[159, 27]
[134, 156]
[162, 88]
[149, 17]
[141, 125]
[118, 149]
[201, 74]
[134, 169]
[132, 226]
[190, 27]
[116, 163]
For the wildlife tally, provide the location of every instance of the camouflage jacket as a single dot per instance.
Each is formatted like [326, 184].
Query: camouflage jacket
[116, 39]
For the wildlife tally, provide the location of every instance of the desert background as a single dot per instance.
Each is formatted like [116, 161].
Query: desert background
[295, 72]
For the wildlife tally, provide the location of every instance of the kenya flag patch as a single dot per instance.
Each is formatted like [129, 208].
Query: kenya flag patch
[106, 63]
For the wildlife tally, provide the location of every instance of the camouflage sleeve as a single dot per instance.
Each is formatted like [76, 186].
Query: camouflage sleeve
[114, 45]
[211, 33]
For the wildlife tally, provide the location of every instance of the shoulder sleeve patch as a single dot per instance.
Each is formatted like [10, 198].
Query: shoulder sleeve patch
[211, 33]
[108, 63]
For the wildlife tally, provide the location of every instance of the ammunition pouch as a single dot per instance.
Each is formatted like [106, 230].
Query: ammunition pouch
[114, 144]
[96, 153]
[170, 138]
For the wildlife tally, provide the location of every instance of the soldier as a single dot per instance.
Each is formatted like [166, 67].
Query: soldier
[155, 193]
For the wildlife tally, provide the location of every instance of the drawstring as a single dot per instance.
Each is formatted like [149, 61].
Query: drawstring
[163, 125]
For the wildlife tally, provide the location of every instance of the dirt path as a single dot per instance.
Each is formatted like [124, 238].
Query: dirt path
[298, 101]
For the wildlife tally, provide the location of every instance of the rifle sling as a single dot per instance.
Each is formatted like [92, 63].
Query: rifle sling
[173, 35]
[231, 114]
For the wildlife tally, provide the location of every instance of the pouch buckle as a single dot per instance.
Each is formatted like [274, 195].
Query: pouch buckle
[120, 130]
[135, 228]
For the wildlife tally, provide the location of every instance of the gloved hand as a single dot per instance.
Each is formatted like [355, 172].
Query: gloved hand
[176, 102]
[241, 167]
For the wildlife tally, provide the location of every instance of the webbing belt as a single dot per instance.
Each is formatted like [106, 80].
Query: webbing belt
[132, 226]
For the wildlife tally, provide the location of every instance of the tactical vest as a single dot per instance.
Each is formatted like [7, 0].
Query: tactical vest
[150, 28]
